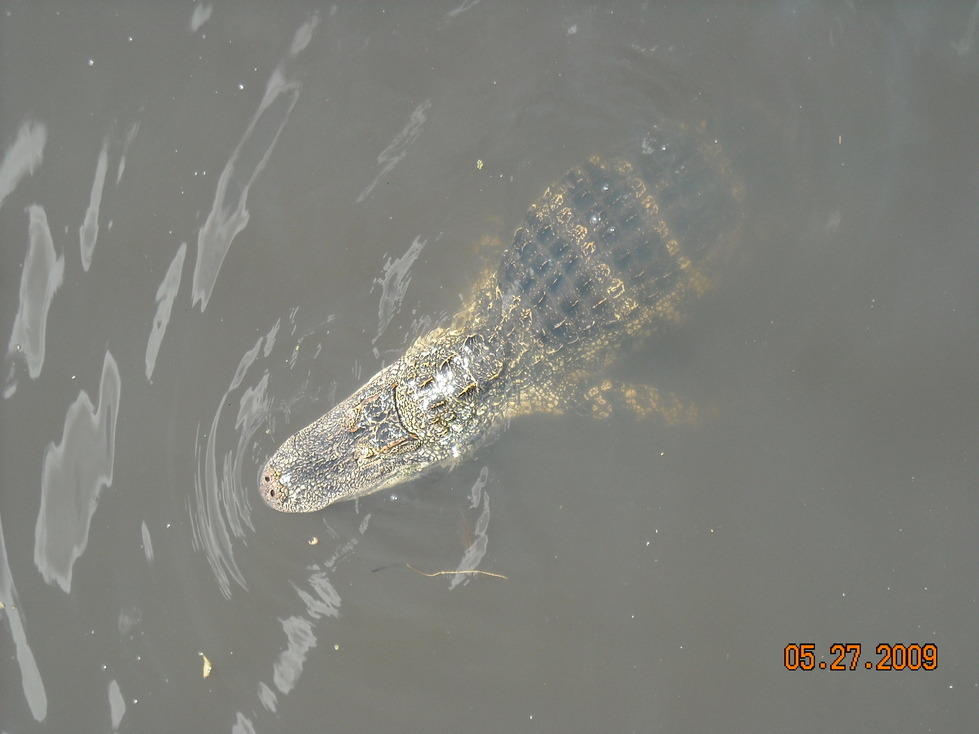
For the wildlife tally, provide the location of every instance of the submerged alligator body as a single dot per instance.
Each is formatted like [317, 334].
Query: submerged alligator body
[607, 255]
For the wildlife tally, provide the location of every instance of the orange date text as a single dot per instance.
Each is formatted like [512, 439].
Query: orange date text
[848, 656]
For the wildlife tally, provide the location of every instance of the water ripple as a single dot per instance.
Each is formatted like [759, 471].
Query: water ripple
[220, 509]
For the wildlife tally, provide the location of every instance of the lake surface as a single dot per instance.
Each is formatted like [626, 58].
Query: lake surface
[220, 219]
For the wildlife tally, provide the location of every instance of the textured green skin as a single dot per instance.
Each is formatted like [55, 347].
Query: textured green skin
[603, 258]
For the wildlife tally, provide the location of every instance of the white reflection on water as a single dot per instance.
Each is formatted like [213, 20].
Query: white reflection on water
[242, 725]
[964, 46]
[30, 676]
[477, 549]
[321, 599]
[394, 284]
[22, 157]
[289, 666]
[458, 10]
[88, 233]
[147, 543]
[202, 14]
[117, 704]
[229, 213]
[165, 294]
[75, 472]
[42, 275]
[130, 137]
[392, 155]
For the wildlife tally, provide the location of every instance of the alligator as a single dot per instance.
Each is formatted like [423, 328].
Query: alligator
[608, 255]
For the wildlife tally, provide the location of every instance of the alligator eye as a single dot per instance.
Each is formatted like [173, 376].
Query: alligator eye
[364, 452]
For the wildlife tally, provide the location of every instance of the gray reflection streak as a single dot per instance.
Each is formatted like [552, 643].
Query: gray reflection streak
[476, 491]
[289, 666]
[130, 136]
[42, 276]
[394, 284]
[165, 294]
[963, 47]
[22, 157]
[267, 696]
[200, 16]
[229, 213]
[477, 549]
[321, 600]
[88, 233]
[242, 725]
[147, 544]
[30, 676]
[466, 5]
[117, 704]
[75, 472]
[324, 601]
[392, 155]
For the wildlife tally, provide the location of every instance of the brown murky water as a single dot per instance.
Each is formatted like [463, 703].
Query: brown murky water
[217, 221]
